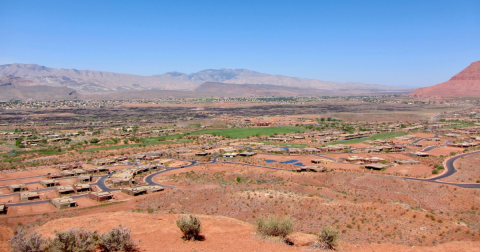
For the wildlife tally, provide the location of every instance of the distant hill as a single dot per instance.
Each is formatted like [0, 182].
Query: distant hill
[464, 84]
[16, 88]
[235, 90]
[95, 82]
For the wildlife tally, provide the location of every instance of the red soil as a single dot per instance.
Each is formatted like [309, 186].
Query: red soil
[445, 151]
[465, 83]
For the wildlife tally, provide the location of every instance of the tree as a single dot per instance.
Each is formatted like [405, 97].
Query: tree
[18, 142]
[94, 141]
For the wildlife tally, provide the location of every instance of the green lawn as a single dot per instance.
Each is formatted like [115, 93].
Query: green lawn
[116, 147]
[287, 144]
[248, 132]
[460, 125]
[374, 137]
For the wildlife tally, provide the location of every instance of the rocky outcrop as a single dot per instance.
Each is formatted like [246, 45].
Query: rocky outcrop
[464, 84]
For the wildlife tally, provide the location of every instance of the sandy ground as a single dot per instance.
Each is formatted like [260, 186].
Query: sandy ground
[423, 135]
[388, 157]
[24, 174]
[411, 170]
[86, 202]
[68, 181]
[21, 181]
[445, 151]
[35, 186]
[32, 209]
[153, 231]
[5, 190]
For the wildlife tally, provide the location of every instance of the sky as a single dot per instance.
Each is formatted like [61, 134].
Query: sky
[397, 43]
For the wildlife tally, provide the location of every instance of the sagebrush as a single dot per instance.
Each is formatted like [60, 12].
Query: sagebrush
[75, 240]
[190, 226]
[329, 236]
[274, 226]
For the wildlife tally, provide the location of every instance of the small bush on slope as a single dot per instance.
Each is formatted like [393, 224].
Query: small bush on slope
[273, 226]
[329, 236]
[20, 243]
[190, 227]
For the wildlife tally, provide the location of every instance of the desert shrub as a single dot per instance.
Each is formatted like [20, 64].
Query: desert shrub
[20, 243]
[190, 226]
[117, 239]
[329, 236]
[72, 240]
[435, 171]
[274, 226]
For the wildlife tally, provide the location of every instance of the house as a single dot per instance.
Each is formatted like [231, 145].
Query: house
[67, 173]
[376, 166]
[230, 154]
[26, 196]
[263, 124]
[247, 154]
[311, 150]
[421, 154]
[322, 161]
[100, 196]
[17, 187]
[55, 175]
[3, 208]
[81, 188]
[65, 189]
[310, 169]
[407, 162]
[134, 191]
[49, 183]
[78, 171]
[139, 190]
[84, 179]
[64, 202]
[294, 150]
[274, 150]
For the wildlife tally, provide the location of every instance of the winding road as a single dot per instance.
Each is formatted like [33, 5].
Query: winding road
[450, 170]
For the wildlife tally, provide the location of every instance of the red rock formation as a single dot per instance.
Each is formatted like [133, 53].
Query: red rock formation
[465, 83]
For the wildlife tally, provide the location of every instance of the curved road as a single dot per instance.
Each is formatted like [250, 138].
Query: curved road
[450, 170]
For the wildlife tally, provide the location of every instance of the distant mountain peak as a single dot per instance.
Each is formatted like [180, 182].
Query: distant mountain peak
[464, 84]
[91, 81]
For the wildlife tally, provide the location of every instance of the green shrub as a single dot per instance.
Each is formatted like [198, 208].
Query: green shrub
[435, 172]
[20, 243]
[273, 226]
[190, 226]
[117, 239]
[72, 240]
[329, 236]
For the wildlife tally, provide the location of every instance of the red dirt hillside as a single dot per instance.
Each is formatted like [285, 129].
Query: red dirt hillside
[465, 83]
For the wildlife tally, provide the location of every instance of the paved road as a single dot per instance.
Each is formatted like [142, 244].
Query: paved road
[418, 140]
[429, 148]
[450, 171]
[149, 179]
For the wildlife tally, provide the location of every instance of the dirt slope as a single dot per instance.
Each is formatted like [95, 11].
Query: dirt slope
[154, 231]
[465, 83]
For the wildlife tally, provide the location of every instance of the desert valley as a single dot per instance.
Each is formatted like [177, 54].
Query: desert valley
[236, 160]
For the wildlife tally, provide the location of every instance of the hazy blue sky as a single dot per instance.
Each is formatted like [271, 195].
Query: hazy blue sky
[401, 43]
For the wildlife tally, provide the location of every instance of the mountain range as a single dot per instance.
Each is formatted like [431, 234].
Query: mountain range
[464, 84]
[95, 82]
